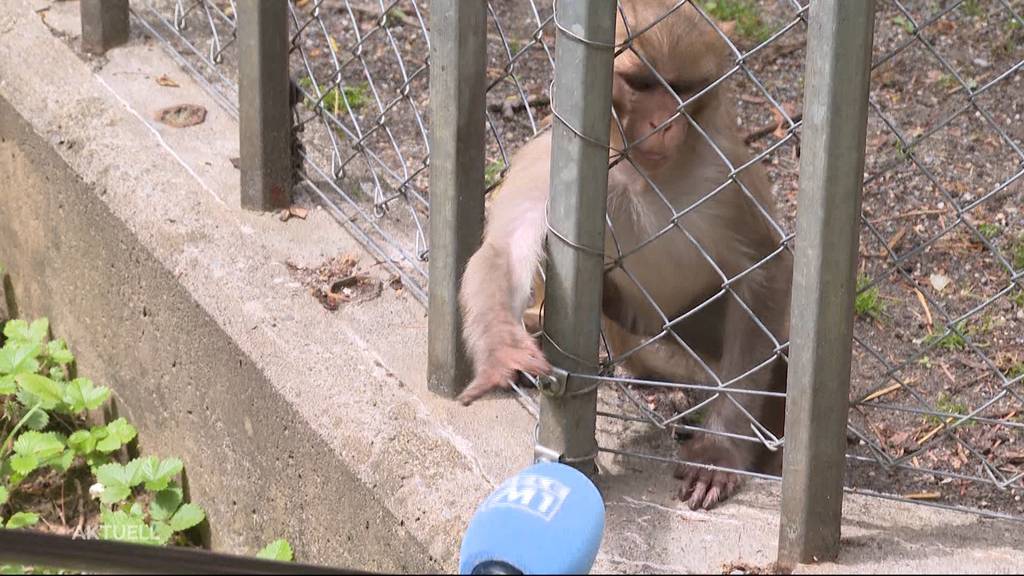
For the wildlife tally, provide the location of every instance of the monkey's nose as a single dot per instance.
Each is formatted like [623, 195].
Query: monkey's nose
[654, 126]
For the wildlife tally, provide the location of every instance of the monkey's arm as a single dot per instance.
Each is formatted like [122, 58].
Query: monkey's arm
[496, 284]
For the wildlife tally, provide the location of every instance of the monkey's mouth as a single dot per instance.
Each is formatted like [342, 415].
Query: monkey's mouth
[648, 160]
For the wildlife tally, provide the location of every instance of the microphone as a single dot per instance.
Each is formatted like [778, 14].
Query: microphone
[548, 519]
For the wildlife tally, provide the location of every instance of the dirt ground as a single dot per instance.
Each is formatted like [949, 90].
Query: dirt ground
[943, 230]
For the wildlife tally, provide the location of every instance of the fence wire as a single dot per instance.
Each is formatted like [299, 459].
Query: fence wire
[937, 403]
[939, 355]
[936, 412]
[657, 372]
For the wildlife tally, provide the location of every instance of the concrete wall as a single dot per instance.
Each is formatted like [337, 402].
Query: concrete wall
[258, 468]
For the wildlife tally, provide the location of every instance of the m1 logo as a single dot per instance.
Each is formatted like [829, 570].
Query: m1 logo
[538, 495]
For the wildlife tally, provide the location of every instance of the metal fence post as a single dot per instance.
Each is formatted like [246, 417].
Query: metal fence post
[828, 224]
[104, 24]
[458, 53]
[264, 112]
[584, 51]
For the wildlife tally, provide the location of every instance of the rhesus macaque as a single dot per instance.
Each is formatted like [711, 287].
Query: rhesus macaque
[671, 170]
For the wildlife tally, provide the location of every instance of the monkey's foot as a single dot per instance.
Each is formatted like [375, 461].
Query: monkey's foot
[703, 487]
[522, 355]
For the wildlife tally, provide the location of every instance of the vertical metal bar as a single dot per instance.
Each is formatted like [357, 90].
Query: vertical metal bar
[576, 215]
[265, 118]
[104, 24]
[458, 53]
[839, 43]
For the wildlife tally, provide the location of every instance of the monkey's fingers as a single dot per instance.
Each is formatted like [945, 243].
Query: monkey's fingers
[481, 385]
[703, 488]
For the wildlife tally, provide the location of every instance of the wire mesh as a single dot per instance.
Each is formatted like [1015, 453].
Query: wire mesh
[938, 362]
[937, 404]
[660, 370]
[939, 354]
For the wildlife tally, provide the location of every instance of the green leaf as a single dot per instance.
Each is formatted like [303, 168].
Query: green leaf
[119, 525]
[82, 442]
[19, 358]
[58, 352]
[57, 374]
[35, 388]
[24, 464]
[133, 470]
[37, 419]
[118, 433]
[157, 474]
[38, 444]
[81, 394]
[163, 532]
[60, 462]
[117, 482]
[186, 517]
[22, 520]
[4, 495]
[20, 331]
[137, 510]
[279, 550]
[166, 503]
[7, 385]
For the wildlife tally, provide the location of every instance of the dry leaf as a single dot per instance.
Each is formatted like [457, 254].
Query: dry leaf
[298, 212]
[182, 115]
[165, 80]
[939, 281]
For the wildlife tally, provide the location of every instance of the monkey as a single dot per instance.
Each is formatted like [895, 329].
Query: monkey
[692, 256]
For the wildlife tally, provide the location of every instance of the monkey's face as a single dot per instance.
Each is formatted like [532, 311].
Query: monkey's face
[648, 108]
[672, 54]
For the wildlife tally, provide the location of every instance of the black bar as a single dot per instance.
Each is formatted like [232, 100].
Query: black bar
[106, 556]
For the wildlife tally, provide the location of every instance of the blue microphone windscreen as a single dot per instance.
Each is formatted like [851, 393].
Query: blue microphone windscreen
[548, 519]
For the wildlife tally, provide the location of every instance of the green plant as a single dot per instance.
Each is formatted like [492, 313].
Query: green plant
[514, 46]
[333, 100]
[1018, 298]
[988, 230]
[279, 550]
[140, 501]
[948, 405]
[493, 173]
[1017, 252]
[868, 303]
[744, 13]
[948, 82]
[904, 23]
[1014, 371]
[902, 149]
[395, 17]
[954, 340]
[971, 8]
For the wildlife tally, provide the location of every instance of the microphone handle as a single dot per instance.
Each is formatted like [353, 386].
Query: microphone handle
[496, 567]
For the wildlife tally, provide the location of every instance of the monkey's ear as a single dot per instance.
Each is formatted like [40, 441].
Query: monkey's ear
[728, 28]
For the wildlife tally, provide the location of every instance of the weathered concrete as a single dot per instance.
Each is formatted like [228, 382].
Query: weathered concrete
[294, 421]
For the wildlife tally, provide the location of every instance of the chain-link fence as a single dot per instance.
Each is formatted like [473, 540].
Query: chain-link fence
[695, 338]
[938, 377]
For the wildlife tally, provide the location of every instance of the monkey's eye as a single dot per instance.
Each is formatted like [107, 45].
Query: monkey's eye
[686, 89]
[640, 83]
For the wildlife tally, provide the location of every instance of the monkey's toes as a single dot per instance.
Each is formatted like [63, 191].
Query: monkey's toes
[705, 489]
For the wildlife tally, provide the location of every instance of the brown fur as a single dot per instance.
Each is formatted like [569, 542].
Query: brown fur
[689, 54]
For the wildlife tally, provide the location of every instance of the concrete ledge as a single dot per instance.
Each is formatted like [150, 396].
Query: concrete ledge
[126, 234]
[295, 422]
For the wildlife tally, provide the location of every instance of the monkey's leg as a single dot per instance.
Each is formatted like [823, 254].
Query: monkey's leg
[746, 346]
[662, 359]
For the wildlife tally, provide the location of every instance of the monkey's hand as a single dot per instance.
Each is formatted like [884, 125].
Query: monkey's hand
[703, 487]
[497, 365]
